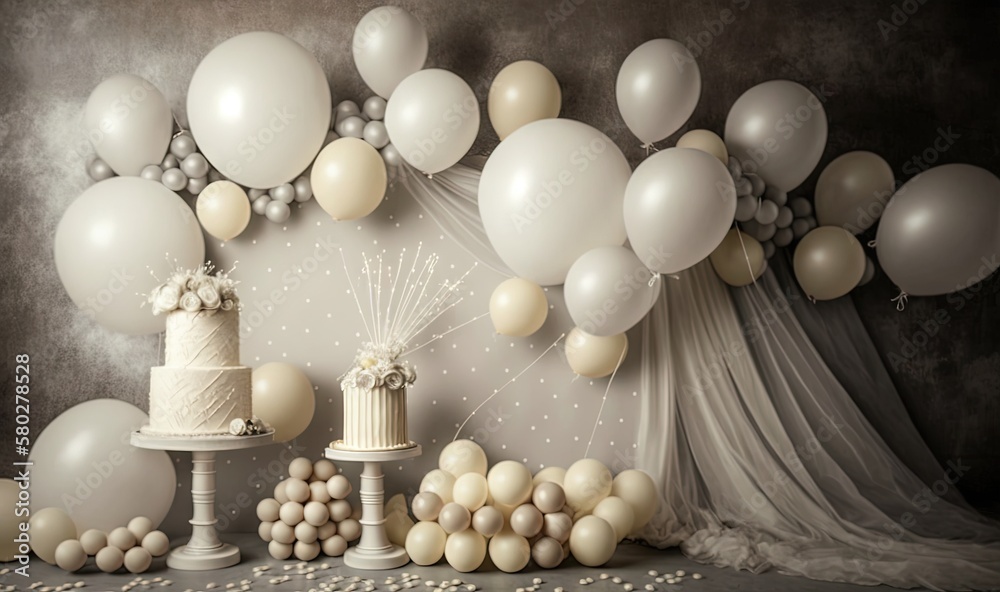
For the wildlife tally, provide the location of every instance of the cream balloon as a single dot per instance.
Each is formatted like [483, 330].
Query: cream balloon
[223, 209]
[454, 518]
[526, 520]
[465, 551]
[618, 513]
[283, 398]
[427, 505]
[348, 179]
[522, 92]
[557, 526]
[553, 474]
[49, 527]
[129, 123]
[487, 521]
[510, 552]
[463, 456]
[510, 483]
[70, 556]
[736, 256]
[706, 141]
[547, 553]
[397, 521]
[440, 482]
[592, 356]
[592, 541]
[587, 482]
[829, 262]
[853, 189]
[548, 497]
[10, 524]
[639, 491]
[425, 543]
[471, 491]
[518, 307]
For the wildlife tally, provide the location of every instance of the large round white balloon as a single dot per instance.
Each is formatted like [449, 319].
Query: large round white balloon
[587, 482]
[608, 290]
[658, 88]
[110, 239]
[592, 541]
[550, 192]
[432, 118]
[679, 204]
[259, 107]
[85, 465]
[389, 45]
[129, 123]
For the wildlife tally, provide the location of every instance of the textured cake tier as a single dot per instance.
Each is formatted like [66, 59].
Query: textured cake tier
[374, 419]
[192, 401]
[204, 338]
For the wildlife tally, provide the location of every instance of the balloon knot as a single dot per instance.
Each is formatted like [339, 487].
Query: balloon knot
[812, 299]
[674, 276]
[655, 278]
[872, 243]
[900, 300]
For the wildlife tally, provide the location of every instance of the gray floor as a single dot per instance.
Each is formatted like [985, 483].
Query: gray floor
[631, 563]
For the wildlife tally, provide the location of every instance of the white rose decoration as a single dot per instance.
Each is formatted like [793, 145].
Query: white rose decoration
[209, 296]
[365, 380]
[394, 379]
[190, 302]
[227, 304]
[166, 298]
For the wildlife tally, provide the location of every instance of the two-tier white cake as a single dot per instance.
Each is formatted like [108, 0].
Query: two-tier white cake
[201, 388]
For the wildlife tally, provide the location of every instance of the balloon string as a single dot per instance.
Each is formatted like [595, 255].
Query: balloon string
[811, 298]
[746, 256]
[652, 280]
[872, 243]
[440, 335]
[900, 300]
[497, 391]
[604, 399]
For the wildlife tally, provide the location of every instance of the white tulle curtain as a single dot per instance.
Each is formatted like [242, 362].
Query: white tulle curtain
[763, 458]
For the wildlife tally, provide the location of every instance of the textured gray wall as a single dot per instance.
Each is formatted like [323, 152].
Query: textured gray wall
[889, 91]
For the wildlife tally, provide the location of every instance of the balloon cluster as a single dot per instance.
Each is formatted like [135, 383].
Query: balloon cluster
[133, 546]
[309, 512]
[465, 512]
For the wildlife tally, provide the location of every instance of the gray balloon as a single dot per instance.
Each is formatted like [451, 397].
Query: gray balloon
[259, 205]
[658, 88]
[345, 109]
[761, 232]
[735, 169]
[852, 191]
[776, 195]
[391, 155]
[801, 207]
[769, 249]
[746, 208]
[152, 172]
[194, 165]
[783, 237]
[811, 220]
[214, 175]
[303, 189]
[174, 179]
[800, 227]
[608, 290]
[785, 217]
[758, 185]
[183, 146]
[99, 170]
[254, 193]
[767, 213]
[869, 274]
[938, 233]
[284, 192]
[375, 134]
[352, 127]
[743, 186]
[196, 185]
[374, 108]
[277, 211]
[170, 162]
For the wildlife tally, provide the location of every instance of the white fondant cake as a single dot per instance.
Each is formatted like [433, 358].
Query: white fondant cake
[201, 388]
[375, 403]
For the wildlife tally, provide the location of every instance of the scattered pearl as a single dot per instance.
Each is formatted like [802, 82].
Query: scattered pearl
[536, 581]
[697, 576]
[604, 576]
[653, 573]
[627, 587]
[616, 580]
[679, 572]
[650, 587]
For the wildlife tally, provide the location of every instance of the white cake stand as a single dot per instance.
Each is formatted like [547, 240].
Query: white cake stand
[204, 551]
[374, 551]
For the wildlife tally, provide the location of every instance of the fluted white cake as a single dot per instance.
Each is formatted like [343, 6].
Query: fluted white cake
[374, 419]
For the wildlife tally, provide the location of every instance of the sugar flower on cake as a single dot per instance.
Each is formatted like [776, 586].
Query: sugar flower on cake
[195, 290]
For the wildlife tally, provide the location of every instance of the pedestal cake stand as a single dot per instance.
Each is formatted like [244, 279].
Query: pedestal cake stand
[374, 551]
[204, 551]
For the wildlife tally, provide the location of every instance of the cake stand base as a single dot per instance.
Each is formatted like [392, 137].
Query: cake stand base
[187, 559]
[373, 551]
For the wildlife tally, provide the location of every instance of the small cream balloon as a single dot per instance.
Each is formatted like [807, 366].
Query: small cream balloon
[465, 550]
[440, 482]
[334, 546]
[425, 543]
[427, 505]
[547, 553]
[557, 526]
[592, 541]
[510, 483]
[454, 518]
[828, 262]
[70, 555]
[587, 482]
[348, 179]
[518, 307]
[706, 141]
[548, 497]
[509, 551]
[637, 488]
[283, 398]
[463, 456]
[522, 92]
[49, 527]
[487, 521]
[223, 209]
[553, 474]
[471, 491]
[592, 356]
[618, 513]
[736, 256]
[397, 524]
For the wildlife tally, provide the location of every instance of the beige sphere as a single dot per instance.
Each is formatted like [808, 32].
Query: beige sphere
[454, 518]
[547, 553]
[122, 538]
[306, 551]
[509, 551]
[283, 397]
[592, 541]
[425, 543]
[461, 457]
[736, 256]
[397, 525]
[558, 526]
[93, 540]
[471, 490]
[70, 555]
[110, 559]
[618, 513]
[548, 497]
[587, 482]
[334, 546]
[350, 529]
[140, 526]
[487, 521]
[326, 531]
[137, 560]
[316, 513]
[465, 550]
[291, 513]
[280, 551]
[318, 492]
[549, 474]
[223, 209]
[340, 510]
[264, 531]
[518, 307]
[156, 542]
[440, 482]
[300, 468]
[637, 488]
[283, 533]
[348, 179]
[526, 520]
[279, 492]
[297, 490]
[306, 533]
[510, 483]
[828, 262]
[48, 528]
[267, 510]
[427, 505]
[339, 487]
[706, 141]
[323, 469]
[522, 92]
[593, 356]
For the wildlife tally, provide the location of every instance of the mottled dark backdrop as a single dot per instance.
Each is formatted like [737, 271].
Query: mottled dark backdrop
[897, 75]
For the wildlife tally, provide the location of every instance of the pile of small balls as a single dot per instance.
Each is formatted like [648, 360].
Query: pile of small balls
[766, 213]
[132, 546]
[309, 512]
[365, 123]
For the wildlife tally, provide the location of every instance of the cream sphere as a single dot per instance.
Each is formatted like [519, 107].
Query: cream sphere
[397, 525]
[526, 520]
[558, 526]
[140, 526]
[510, 552]
[280, 551]
[465, 550]
[283, 533]
[425, 543]
[471, 490]
[279, 492]
[548, 497]
[156, 542]
[291, 513]
[264, 531]
[440, 482]
[461, 457]
[319, 492]
[306, 533]
[706, 141]
[549, 474]
[510, 483]
[316, 513]
[637, 488]
[110, 559]
[547, 553]
[339, 487]
[454, 518]
[70, 555]
[618, 513]
[487, 521]
[592, 541]
[122, 538]
[323, 469]
[306, 551]
[267, 510]
[340, 510]
[350, 529]
[334, 546]
[326, 531]
[137, 560]
[296, 490]
[427, 505]
[48, 528]
[587, 482]
[93, 540]
[300, 468]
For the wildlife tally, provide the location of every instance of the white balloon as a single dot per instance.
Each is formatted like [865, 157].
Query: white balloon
[465, 550]
[592, 541]
[112, 236]
[639, 491]
[658, 88]
[129, 123]
[550, 192]
[85, 465]
[432, 118]
[259, 107]
[586, 483]
[679, 205]
[608, 290]
[389, 45]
